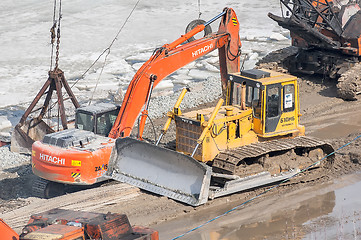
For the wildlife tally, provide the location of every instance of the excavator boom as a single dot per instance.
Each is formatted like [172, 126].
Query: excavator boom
[171, 57]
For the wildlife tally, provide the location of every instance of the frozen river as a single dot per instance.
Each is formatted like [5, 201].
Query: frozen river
[88, 27]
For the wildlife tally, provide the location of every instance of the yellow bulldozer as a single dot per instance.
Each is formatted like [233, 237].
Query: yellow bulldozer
[254, 139]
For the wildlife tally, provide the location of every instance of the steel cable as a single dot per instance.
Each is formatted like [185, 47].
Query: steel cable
[52, 31]
[199, 9]
[108, 48]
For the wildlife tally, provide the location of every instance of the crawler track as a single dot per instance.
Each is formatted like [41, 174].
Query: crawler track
[43, 188]
[273, 156]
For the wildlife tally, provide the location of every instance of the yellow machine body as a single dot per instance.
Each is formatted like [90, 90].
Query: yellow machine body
[261, 105]
[240, 139]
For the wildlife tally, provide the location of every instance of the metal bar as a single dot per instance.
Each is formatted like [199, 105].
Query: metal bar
[246, 183]
[69, 91]
[150, 93]
[171, 115]
[334, 15]
[144, 115]
[324, 18]
[216, 17]
[47, 100]
[61, 102]
[34, 102]
[160, 138]
[291, 10]
[195, 149]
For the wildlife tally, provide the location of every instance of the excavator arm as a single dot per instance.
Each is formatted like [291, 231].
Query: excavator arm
[169, 58]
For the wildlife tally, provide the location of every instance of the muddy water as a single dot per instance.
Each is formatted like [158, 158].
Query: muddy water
[329, 211]
[339, 124]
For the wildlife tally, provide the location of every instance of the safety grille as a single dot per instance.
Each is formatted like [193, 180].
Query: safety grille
[188, 133]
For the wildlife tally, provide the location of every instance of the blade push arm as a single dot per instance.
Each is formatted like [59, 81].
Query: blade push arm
[170, 58]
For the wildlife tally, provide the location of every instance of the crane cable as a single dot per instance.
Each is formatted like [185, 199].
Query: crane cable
[107, 52]
[267, 190]
[58, 38]
[55, 34]
[199, 9]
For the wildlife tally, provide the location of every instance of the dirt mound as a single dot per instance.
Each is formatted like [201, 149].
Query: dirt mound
[349, 84]
[274, 60]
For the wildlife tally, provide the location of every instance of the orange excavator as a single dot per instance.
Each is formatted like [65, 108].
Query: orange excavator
[80, 156]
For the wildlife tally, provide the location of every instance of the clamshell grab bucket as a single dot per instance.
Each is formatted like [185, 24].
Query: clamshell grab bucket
[160, 170]
[23, 136]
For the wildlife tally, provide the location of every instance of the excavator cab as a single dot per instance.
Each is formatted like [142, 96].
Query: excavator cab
[98, 118]
[273, 98]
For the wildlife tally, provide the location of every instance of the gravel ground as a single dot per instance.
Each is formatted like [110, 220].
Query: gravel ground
[10, 159]
[201, 92]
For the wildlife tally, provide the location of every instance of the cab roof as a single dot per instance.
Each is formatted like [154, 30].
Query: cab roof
[98, 108]
[261, 76]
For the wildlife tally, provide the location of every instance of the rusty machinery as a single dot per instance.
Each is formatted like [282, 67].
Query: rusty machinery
[64, 224]
[328, 40]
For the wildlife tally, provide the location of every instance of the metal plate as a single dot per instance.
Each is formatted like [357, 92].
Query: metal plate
[159, 170]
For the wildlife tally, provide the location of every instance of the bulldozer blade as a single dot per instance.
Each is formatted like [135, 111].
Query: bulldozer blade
[24, 136]
[160, 170]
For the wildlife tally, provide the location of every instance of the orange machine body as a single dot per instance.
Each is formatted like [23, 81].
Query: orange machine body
[7, 232]
[349, 38]
[74, 165]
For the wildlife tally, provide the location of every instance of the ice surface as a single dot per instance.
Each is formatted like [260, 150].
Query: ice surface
[89, 26]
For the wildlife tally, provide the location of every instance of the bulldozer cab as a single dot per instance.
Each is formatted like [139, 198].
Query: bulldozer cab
[98, 118]
[273, 98]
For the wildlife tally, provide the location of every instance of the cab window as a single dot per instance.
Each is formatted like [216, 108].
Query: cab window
[105, 122]
[237, 91]
[256, 102]
[253, 99]
[273, 100]
[84, 121]
[289, 98]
